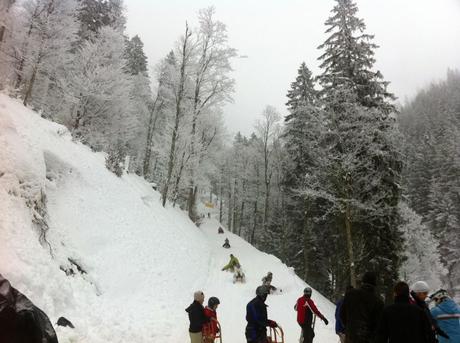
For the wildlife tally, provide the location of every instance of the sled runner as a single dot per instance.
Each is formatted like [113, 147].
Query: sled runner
[219, 333]
[276, 335]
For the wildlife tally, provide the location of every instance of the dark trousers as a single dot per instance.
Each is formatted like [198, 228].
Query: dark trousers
[308, 334]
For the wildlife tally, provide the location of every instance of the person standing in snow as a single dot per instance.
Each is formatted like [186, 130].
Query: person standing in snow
[339, 327]
[257, 318]
[361, 311]
[447, 314]
[419, 293]
[197, 317]
[403, 322]
[211, 329]
[306, 309]
[232, 264]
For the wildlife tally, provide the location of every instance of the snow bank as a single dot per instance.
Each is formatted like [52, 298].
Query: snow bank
[118, 265]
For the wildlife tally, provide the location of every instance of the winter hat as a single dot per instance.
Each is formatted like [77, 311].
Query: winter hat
[439, 296]
[198, 296]
[420, 287]
[369, 278]
[262, 291]
[213, 301]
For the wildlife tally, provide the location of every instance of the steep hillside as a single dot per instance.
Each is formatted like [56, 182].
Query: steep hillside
[113, 261]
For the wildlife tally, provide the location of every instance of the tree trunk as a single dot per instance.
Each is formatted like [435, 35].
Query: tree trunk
[178, 115]
[348, 234]
[230, 212]
[241, 218]
[2, 33]
[254, 226]
[221, 196]
[30, 86]
[234, 207]
[306, 240]
[20, 69]
[178, 178]
[150, 130]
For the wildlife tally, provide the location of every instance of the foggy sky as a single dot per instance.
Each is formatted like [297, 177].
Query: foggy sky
[419, 40]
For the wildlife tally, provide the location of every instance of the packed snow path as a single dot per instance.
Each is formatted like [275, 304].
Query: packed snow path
[142, 262]
[255, 265]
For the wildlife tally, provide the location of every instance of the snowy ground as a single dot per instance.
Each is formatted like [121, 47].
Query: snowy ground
[142, 262]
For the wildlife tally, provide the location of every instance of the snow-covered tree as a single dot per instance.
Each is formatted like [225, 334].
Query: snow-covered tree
[268, 130]
[95, 14]
[101, 90]
[45, 44]
[431, 127]
[7, 56]
[179, 87]
[212, 85]
[348, 59]
[423, 261]
[141, 101]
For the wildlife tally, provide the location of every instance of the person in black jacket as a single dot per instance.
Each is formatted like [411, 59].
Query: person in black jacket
[197, 317]
[20, 320]
[419, 293]
[361, 310]
[256, 316]
[403, 322]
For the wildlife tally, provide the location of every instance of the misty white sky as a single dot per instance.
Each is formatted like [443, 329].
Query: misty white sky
[419, 40]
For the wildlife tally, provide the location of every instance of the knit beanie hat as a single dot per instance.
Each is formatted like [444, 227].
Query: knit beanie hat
[420, 287]
[370, 278]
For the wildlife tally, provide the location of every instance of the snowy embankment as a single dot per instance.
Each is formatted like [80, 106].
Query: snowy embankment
[139, 263]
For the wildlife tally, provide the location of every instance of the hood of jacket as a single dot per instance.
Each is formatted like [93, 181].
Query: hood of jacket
[449, 306]
[194, 304]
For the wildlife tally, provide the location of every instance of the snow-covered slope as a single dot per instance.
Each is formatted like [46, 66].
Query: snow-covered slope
[142, 262]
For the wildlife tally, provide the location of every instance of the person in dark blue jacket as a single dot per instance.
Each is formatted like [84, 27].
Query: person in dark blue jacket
[447, 315]
[339, 327]
[256, 316]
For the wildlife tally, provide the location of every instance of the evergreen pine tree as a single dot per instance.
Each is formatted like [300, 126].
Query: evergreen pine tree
[348, 59]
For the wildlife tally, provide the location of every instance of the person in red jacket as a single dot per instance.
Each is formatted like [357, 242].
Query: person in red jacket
[211, 329]
[306, 309]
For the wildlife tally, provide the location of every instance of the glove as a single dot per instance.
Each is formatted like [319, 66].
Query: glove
[272, 324]
[326, 321]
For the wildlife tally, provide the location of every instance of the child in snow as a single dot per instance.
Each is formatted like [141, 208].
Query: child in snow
[238, 275]
[226, 244]
[232, 264]
[447, 315]
[211, 329]
[267, 282]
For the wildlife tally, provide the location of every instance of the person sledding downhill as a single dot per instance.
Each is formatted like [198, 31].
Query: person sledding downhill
[306, 310]
[238, 275]
[232, 264]
[256, 316]
[211, 329]
[267, 282]
[226, 244]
